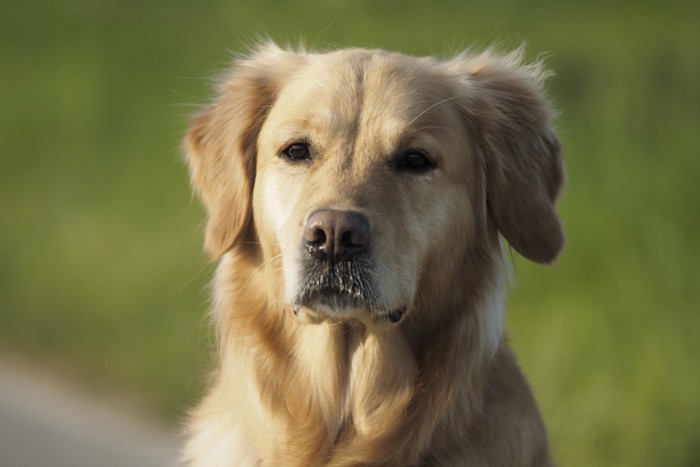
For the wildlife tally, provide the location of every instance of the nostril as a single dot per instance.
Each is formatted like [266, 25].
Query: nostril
[346, 239]
[317, 237]
[315, 232]
[354, 238]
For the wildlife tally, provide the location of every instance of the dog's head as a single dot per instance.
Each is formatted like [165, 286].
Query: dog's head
[365, 176]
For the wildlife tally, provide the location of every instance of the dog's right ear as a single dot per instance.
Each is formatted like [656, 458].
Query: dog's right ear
[220, 144]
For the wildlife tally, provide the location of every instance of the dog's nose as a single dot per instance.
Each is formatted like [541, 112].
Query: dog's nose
[332, 236]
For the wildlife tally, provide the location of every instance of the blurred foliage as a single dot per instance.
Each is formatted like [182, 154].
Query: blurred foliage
[101, 270]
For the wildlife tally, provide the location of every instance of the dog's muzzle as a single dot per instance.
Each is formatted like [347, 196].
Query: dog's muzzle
[337, 272]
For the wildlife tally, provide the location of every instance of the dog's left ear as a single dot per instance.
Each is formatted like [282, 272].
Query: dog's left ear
[511, 122]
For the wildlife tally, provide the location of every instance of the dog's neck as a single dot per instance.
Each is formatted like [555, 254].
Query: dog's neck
[369, 388]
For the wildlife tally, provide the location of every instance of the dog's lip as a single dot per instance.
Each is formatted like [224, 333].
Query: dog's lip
[311, 313]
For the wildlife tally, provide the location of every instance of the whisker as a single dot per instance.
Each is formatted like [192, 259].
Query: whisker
[189, 281]
[260, 266]
[447, 99]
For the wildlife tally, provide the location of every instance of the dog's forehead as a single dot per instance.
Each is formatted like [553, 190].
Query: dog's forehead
[361, 91]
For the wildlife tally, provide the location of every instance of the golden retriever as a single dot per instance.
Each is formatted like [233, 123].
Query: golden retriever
[355, 200]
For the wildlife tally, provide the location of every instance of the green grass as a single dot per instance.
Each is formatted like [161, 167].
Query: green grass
[101, 270]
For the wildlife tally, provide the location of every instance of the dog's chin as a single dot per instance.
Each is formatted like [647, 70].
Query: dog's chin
[342, 292]
[339, 308]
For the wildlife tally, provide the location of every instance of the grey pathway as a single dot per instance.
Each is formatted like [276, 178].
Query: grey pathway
[43, 423]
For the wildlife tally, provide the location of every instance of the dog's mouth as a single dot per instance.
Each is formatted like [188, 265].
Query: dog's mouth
[341, 291]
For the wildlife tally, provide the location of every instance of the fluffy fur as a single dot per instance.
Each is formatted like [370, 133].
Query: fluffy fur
[304, 381]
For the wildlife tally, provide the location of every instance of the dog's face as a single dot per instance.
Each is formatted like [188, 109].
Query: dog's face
[365, 175]
[363, 172]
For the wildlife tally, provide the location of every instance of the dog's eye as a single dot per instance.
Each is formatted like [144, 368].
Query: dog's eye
[414, 161]
[297, 152]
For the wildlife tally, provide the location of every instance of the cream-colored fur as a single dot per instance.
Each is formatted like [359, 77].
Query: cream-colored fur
[312, 383]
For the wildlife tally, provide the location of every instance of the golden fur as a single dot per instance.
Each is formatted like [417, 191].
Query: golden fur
[310, 383]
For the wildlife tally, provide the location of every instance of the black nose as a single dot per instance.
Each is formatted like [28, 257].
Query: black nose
[333, 236]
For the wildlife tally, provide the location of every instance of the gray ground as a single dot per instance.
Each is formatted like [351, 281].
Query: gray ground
[45, 423]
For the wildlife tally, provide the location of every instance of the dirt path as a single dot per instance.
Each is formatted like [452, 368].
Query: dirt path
[43, 423]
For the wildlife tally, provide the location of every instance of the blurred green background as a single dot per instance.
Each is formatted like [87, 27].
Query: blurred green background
[101, 271]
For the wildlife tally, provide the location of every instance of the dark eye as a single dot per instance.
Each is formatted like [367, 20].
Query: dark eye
[414, 161]
[297, 152]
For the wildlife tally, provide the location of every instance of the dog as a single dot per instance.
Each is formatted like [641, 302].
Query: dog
[358, 205]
